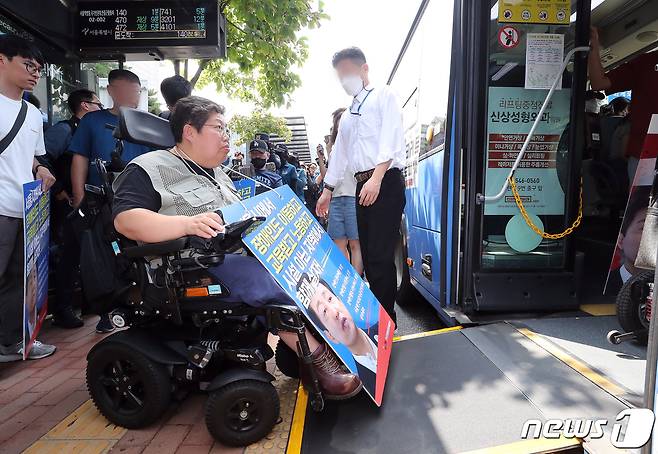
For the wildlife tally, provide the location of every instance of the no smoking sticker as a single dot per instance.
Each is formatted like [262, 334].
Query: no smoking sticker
[508, 37]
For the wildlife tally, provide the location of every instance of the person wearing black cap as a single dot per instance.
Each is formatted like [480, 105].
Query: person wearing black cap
[259, 154]
[370, 143]
[265, 137]
[287, 171]
[174, 88]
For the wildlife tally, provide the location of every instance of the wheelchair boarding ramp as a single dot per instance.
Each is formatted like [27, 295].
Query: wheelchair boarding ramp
[462, 390]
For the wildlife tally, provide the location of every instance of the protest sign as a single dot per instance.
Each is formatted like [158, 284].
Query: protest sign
[622, 267]
[299, 254]
[246, 188]
[36, 227]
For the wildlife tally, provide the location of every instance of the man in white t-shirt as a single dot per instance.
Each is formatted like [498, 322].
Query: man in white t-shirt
[21, 65]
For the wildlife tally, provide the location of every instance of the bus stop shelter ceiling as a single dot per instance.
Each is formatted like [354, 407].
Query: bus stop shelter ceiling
[93, 30]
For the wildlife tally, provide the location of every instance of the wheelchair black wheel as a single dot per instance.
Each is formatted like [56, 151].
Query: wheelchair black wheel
[128, 388]
[242, 412]
[632, 304]
[286, 360]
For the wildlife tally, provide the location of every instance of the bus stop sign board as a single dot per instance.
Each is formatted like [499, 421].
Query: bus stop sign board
[172, 29]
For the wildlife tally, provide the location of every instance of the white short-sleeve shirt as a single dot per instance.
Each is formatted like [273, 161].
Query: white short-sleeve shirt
[16, 161]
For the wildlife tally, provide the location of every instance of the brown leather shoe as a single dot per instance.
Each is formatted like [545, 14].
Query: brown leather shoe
[335, 382]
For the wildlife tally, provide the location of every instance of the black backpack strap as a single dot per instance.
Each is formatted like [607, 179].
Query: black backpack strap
[9, 138]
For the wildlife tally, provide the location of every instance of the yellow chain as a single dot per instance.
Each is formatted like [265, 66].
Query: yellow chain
[550, 236]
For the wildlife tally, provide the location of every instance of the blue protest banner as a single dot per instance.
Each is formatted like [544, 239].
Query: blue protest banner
[246, 188]
[36, 232]
[299, 254]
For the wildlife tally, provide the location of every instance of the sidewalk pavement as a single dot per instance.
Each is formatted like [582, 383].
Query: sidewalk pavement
[45, 407]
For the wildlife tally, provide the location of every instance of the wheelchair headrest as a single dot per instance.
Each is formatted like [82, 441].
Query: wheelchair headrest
[144, 128]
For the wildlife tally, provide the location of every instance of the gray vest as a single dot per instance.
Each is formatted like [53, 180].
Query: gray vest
[182, 191]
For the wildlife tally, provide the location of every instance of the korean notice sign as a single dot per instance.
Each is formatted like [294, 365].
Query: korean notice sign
[512, 110]
[543, 60]
[299, 254]
[36, 228]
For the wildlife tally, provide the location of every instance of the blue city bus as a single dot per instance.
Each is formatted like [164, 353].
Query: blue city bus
[468, 98]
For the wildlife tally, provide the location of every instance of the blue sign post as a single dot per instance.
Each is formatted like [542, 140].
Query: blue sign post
[36, 230]
[299, 254]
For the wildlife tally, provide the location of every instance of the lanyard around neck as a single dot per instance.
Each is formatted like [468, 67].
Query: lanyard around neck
[358, 110]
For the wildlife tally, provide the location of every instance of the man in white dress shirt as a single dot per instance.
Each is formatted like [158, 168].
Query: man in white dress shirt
[370, 143]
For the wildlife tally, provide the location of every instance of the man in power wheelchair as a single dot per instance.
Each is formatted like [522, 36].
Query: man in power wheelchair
[198, 314]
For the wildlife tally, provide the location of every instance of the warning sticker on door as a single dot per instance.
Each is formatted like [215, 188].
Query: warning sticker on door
[555, 12]
[508, 37]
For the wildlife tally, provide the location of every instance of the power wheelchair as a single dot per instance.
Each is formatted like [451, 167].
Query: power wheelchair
[181, 335]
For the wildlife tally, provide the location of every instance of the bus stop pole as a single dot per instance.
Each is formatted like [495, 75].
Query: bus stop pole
[652, 363]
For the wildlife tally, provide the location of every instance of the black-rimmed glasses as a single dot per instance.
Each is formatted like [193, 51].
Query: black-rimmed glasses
[34, 69]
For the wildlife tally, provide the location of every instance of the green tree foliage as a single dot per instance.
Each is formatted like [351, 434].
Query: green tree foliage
[154, 104]
[246, 126]
[264, 48]
[102, 69]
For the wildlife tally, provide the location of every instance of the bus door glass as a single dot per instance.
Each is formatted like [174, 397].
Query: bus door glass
[527, 43]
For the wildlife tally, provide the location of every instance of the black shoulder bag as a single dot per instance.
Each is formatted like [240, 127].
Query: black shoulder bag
[20, 119]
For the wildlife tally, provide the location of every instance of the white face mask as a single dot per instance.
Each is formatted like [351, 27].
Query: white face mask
[352, 84]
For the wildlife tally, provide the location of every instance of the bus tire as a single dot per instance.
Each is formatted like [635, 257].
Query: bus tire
[630, 308]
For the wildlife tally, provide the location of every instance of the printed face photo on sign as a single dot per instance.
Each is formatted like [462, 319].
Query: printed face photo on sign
[31, 298]
[331, 316]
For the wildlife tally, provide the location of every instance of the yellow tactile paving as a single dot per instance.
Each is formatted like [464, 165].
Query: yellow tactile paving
[87, 431]
[276, 442]
[70, 446]
[599, 309]
[83, 431]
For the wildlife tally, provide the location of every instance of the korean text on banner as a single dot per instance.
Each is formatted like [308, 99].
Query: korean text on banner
[246, 188]
[36, 229]
[556, 12]
[511, 113]
[299, 254]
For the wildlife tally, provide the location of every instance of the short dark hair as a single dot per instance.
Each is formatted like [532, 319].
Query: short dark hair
[335, 116]
[123, 74]
[618, 104]
[174, 88]
[192, 110]
[77, 97]
[312, 316]
[12, 46]
[351, 53]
